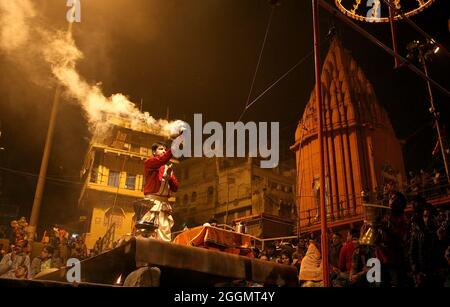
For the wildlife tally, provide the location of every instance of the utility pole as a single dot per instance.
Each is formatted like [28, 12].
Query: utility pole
[435, 115]
[423, 52]
[45, 158]
[318, 92]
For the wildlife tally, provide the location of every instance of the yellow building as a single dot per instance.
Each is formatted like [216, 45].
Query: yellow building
[113, 178]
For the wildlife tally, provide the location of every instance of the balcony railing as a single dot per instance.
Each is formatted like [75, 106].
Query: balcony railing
[310, 217]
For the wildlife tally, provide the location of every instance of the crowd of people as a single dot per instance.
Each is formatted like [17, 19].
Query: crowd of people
[427, 184]
[56, 247]
[413, 250]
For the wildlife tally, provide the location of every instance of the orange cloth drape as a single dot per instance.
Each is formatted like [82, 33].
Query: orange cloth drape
[217, 239]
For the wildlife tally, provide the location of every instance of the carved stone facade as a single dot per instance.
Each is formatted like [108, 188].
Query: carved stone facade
[361, 150]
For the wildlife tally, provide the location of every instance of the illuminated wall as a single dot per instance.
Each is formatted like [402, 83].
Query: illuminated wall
[361, 149]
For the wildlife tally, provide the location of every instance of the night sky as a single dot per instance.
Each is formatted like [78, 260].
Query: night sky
[198, 56]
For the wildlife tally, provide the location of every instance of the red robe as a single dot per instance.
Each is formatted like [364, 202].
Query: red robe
[154, 170]
[345, 256]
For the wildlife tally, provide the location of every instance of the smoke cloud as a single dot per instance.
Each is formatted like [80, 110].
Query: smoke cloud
[59, 50]
[14, 23]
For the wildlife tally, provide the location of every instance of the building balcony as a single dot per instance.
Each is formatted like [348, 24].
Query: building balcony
[141, 154]
[111, 189]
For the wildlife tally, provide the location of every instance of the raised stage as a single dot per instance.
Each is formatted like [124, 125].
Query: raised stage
[180, 265]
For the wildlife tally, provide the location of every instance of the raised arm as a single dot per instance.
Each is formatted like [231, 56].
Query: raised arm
[157, 162]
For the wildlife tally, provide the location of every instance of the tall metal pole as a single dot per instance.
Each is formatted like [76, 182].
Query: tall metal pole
[435, 115]
[393, 33]
[318, 91]
[44, 163]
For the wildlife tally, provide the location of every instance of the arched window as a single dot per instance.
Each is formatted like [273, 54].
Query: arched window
[193, 197]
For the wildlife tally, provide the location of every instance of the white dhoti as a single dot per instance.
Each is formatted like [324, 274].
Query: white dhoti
[160, 214]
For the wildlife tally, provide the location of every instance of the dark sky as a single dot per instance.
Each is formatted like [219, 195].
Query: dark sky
[198, 56]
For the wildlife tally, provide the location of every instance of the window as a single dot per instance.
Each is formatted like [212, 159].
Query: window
[115, 216]
[119, 142]
[185, 199]
[135, 148]
[194, 196]
[144, 151]
[113, 179]
[186, 173]
[94, 174]
[95, 169]
[130, 183]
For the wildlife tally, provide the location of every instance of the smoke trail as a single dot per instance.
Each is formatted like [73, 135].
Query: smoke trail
[59, 50]
[14, 23]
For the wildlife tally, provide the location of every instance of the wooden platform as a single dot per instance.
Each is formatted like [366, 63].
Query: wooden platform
[180, 266]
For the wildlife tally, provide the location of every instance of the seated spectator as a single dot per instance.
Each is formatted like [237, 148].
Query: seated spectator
[64, 251]
[12, 246]
[285, 258]
[264, 257]
[418, 205]
[447, 272]
[16, 264]
[311, 269]
[414, 184]
[346, 253]
[358, 272]
[340, 275]
[256, 252]
[301, 247]
[335, 249]
[45, 238]
[423, 250]
[57, 260]
[425, 179]
[2, 252]
[297, 261]
[442, 220]
[44, 261]
[271, 252]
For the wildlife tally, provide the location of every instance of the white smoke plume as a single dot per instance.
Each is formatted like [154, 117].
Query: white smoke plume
[60, 52]
[14, 23]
